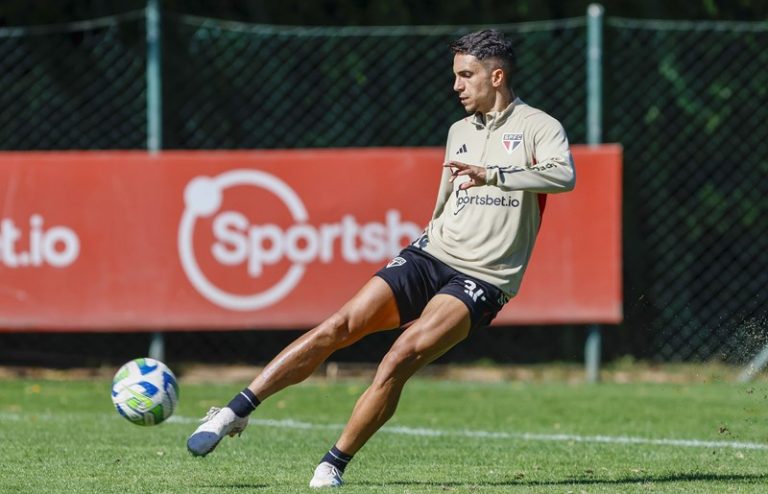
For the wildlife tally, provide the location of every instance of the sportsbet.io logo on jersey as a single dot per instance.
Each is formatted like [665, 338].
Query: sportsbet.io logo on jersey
[255, 227]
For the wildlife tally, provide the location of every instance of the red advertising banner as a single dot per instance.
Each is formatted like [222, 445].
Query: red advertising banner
[104, 241]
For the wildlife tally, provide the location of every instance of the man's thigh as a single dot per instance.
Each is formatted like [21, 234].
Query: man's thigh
[373, 308]
[444, 322]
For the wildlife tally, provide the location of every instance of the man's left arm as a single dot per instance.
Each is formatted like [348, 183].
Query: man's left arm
[552, 172]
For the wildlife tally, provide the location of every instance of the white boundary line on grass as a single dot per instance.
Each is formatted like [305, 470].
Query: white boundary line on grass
[520, 436]
[477, 434]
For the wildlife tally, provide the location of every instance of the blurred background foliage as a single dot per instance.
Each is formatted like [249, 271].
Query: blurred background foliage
[384, 12]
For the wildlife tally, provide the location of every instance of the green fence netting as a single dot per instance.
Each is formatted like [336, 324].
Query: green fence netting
[687, 100]
[246, 86]
[74, 86]
[689, 103]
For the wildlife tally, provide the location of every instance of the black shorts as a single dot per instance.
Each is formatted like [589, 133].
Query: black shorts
[415, 277]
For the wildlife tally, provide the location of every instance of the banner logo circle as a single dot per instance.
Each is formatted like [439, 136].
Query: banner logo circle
[202, 198]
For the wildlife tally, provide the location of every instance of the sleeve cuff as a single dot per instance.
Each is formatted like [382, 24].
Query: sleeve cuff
[491, 176]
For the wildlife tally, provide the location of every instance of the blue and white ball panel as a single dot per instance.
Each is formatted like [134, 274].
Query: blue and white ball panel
[145, 391]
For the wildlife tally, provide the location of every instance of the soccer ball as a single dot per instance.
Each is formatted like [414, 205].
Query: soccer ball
[145, 391]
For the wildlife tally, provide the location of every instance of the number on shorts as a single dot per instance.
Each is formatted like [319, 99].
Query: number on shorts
[470, 289]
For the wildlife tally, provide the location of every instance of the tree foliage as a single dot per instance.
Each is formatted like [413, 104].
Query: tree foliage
[384, 12]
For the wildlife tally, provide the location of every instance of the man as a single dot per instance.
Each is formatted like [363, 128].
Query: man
[500, 161]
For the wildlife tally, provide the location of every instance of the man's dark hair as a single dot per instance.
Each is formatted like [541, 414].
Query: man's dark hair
[488, 44]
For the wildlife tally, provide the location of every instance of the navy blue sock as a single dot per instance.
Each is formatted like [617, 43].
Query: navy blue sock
[337, 458]
[244, 403]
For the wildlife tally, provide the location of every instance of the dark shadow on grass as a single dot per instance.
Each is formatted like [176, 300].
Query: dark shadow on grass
[678, 477]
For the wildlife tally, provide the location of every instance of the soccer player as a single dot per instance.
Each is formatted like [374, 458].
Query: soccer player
[500, 162]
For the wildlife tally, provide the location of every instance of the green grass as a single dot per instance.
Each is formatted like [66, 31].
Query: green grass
[64, 437]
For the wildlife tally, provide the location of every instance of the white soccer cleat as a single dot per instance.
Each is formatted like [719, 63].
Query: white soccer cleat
[326, 475]
[219, 422]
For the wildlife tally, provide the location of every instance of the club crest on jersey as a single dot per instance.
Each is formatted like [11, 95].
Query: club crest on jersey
[397, 261]
[512, 141]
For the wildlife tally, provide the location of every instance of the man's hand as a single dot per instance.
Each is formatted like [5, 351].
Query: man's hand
[476, 174]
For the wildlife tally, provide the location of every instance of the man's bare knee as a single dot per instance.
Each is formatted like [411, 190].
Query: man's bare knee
[399, 364]
[341, 329]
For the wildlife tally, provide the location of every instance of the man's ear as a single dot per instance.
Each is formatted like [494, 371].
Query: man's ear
[498, 78]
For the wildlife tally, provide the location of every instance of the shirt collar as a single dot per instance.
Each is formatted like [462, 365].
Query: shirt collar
[493, 119]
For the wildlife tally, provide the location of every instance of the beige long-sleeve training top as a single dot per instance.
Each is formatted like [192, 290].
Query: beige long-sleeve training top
[489, 231]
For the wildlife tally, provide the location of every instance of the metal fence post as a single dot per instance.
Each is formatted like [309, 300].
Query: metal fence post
[154, 81]
[595, 14]
[154, 118]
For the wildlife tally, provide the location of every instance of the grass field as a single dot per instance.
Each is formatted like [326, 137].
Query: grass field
[447, 436]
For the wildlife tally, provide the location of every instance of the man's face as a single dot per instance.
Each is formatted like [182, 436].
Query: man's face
[474, 83]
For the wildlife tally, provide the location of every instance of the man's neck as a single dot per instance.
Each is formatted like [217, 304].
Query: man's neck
[501, 102]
